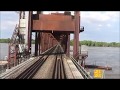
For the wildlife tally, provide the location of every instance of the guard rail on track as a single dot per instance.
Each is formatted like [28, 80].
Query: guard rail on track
[81, 69]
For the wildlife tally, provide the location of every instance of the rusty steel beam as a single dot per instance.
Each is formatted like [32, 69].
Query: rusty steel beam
[45, 39]
[48, 40]
[54, 22]
[51, 41]
[39, 42]
[36, 43]
[30, 30]
[42, 42]
[51, 28]
[65, 43]
[68, 45]
[76, 34]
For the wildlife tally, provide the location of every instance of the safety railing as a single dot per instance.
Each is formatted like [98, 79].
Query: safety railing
[81, 69]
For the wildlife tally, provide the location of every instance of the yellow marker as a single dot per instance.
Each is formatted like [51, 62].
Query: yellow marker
[98, 73]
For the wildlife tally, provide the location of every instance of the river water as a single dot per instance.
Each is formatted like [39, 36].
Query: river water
[104, 56]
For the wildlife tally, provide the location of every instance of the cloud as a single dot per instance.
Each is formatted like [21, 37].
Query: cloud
[8, 21]
[108, 25]
[99, 16]
[99, 25]
[6, 25]
[100, 19]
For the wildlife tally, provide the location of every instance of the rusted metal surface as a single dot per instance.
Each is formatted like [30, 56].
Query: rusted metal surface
[42, 43]
[49, 30]
[36, 43]
[53, 25]
[76, 34]
[55, 22]
[54, 28]
[68, 45]
[29, 30]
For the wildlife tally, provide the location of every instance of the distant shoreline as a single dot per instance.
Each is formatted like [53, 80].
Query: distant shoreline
[84, 42]
[72, 45]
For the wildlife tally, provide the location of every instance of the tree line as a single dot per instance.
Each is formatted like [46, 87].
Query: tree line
[97, 44]
[5, 40]
[8, 41]
[85, 42]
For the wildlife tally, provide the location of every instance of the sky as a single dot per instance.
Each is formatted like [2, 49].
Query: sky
[98, 25]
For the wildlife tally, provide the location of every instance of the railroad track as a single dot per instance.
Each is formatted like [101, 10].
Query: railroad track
[31, 71]
[81, 69]
[59, 71]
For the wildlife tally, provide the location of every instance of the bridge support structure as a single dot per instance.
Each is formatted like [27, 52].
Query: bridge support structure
[54, 28]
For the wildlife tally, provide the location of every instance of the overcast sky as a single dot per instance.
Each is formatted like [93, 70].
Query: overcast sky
[99, 26]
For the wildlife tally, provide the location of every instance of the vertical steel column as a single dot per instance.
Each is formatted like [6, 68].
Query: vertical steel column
[30, 30]
[9, 58]
[42, 42]
[15, 58]
[39, 42]
[65, 42]
[76, 34]
[52, 42]
[68, 44]
[36, 43]
[48, 40]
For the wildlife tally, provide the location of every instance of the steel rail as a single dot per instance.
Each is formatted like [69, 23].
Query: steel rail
[81, 69]
[30, 72]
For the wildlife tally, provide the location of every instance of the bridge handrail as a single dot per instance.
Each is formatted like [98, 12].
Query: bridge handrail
[81, 69]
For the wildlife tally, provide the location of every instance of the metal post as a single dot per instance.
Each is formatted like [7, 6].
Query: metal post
[76, 34]
[9, 58]
[68, 44]
[30, 30]
[48, 40]
[45, 39]
[52, 42]
[65, 42]
[36, 43]
[39, 41]
[42, 44]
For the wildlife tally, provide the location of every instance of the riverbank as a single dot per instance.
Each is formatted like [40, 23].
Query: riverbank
[84, 42]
